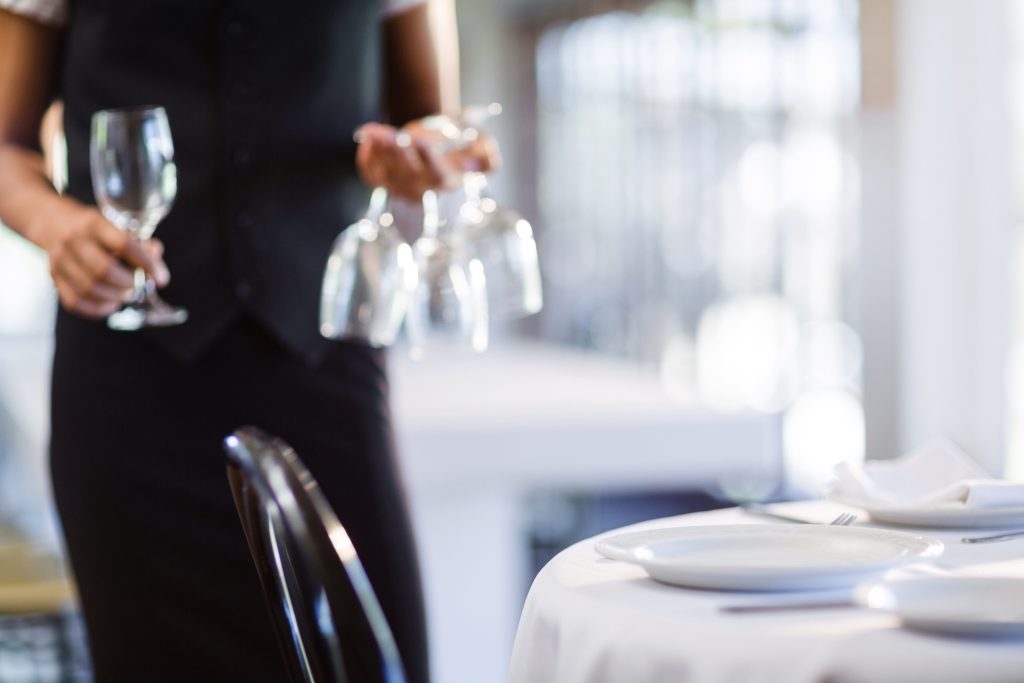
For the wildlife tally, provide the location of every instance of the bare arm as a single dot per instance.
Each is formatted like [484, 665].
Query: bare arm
[421, 72]
[85, 250]
[27, 55]
[421, 62]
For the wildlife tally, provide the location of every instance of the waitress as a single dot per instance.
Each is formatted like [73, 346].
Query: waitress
[262, 98]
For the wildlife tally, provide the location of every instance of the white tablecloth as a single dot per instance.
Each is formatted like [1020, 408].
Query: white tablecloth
[592, 620]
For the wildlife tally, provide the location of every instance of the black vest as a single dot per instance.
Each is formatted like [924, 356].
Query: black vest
[263, 97]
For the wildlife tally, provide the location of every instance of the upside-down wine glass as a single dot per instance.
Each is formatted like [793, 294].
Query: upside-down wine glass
[449, 305]
[501, 238]
[504, 242]
[370, 278]
[135, 181]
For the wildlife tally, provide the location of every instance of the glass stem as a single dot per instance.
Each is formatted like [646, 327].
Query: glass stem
[474, 185]
[142, 289]
[378, 203]
[431, 214]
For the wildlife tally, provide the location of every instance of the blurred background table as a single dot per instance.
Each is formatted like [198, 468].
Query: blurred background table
[589, 619]
[40, 636]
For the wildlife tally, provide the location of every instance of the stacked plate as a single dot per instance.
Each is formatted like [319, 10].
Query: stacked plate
[762, 557]
[980, 607]
[941, 517]
[770, 558]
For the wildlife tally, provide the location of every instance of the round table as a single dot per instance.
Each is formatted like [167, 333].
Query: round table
[588, 619]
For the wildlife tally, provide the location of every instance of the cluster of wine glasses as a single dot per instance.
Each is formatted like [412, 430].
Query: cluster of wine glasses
[134, 180]
[446, 286]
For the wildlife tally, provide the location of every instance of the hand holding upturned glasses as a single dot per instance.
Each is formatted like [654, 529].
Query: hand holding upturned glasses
[418, 157]
[439, 289]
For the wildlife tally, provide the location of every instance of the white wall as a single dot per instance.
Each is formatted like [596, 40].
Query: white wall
[879, 267]
[955, 236]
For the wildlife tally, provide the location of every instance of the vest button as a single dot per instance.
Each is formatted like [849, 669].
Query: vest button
[235, 28]
[244, 290]
[244, 220]
[238, 90]
[241, 157]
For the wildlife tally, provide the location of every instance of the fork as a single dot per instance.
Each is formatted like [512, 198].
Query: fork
[843, 519]
[992, 539]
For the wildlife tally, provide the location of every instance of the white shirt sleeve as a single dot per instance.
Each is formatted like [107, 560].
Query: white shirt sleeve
[52, 12]
[392, 7]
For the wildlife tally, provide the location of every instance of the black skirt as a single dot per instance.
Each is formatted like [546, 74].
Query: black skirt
[167, 585]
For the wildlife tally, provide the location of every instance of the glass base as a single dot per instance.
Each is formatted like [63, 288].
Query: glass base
[152, 313]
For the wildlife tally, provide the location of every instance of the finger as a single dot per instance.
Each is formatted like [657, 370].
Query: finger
[78, 281]
[115, 241]
[137, 255]
[83, 306]
[481, 156]
[437, 173]
[371, 167]
[102, 266]
[156, 248]
[156, 251]
[485, 154]
[374, 156]
[434, 170]
[372, 130]
[419, 131]
[89, 308]
[73, 277]
[406, 173]
[102, 293]
[129, 250]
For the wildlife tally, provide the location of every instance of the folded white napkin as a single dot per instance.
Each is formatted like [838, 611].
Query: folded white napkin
[939, 474]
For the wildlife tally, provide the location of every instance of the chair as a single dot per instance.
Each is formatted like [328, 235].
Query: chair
[329, 623]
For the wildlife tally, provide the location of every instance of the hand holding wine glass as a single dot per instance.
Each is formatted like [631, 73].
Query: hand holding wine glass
[135, 182]
[90, 259]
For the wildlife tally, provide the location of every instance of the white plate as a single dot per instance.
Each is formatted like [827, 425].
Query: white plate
[947, 517]
[622, 545]
[962, 606]
[769, 557]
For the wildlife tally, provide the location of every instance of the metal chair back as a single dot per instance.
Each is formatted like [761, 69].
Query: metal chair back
[327, 617]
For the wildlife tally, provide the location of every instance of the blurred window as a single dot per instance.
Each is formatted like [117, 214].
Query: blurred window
[698, 196]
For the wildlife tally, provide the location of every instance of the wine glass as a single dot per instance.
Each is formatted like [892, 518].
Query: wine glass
[501, 238]
[370, 277]
[449, 305]
[135, 181]
[504, 242]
